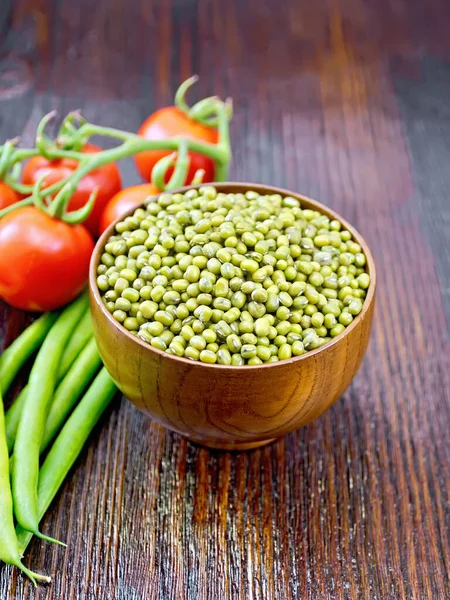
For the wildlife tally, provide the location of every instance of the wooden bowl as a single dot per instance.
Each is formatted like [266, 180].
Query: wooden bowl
[232, 407]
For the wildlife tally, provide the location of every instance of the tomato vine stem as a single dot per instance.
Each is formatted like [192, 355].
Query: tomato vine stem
[75, 131]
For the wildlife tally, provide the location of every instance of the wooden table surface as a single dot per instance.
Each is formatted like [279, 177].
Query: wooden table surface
[346, 101]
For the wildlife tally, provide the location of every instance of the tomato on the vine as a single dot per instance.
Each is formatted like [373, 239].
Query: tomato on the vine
[106, 179]
[44, 262]
[7, 195]
[124, 201]
[172, 122]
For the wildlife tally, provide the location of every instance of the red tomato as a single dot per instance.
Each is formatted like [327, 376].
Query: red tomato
[44, 262]
[7, 196]
[124, 201]
[171, 122]
[106, 179]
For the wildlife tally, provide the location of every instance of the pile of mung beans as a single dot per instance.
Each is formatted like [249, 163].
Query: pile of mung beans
[231, 278]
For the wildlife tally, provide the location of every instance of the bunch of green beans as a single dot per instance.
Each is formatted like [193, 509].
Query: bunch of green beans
[69, 444]
[80, 336]
[41, 386]
[65, 364]
[234, 279]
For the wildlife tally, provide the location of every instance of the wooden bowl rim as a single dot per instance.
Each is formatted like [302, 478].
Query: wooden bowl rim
[236, 187]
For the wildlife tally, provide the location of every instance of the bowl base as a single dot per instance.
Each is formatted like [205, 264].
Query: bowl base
[231, 446]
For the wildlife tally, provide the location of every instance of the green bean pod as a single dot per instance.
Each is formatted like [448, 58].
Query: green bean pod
[15, 356]
[70, 389]
[12, 418]
[9, 544]
[76, 343]
[43, 376]
[69, 444]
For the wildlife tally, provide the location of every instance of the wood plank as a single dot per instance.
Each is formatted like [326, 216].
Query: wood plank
[345, 101]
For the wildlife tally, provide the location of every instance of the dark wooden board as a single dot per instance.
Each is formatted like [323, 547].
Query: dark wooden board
[343, 100]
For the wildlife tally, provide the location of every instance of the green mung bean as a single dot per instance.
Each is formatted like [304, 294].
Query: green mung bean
[232, 279]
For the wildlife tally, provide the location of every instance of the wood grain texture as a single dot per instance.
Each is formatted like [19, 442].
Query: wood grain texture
[345, 101]
[232, 408]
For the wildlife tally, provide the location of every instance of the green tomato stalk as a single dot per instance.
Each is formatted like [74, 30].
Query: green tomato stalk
[203, 111]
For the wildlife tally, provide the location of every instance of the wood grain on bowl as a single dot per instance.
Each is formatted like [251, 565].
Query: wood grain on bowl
[225, 406]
